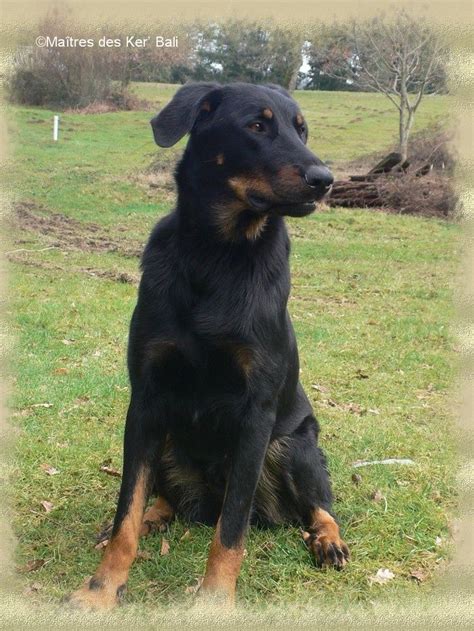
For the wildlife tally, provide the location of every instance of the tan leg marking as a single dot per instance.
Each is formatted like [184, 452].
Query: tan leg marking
[106, 587]
[222, 571]
[324, 541]
[157, 517]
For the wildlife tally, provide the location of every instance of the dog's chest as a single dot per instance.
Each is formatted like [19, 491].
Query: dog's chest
[203, 390]
[198, 368]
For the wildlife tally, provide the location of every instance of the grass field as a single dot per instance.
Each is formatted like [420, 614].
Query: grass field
[371, 304]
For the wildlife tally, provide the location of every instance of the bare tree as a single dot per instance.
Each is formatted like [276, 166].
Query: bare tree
[402, 57]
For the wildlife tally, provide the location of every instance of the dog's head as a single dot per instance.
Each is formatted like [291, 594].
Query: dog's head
[248, 146]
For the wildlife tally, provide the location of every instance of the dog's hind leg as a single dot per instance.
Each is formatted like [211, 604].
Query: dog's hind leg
[156, 517]
[104, 590]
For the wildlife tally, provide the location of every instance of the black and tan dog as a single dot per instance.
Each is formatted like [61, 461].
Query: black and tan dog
[219, 427]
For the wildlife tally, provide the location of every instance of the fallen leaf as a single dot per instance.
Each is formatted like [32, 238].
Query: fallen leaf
[418, 575]
[33, 565]
[438, 542]
[377, 496]
[48, 506]
[185, 536]
[110, 471]
[21, 413]
[373, 411]
[101, 545]
[319, 388]
[61, 371]
[144, 555]
[33, 588]
[382, 576]
[356, 478]
[67, 342]
[267, 546]
[105, 532]
[192, 589]
[355, 408]
[47, 468]
[165, 547]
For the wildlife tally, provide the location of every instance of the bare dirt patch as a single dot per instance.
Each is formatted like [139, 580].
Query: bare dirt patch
[108, 274]
[69, 234]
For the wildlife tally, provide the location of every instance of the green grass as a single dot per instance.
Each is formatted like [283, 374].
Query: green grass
[371, 304]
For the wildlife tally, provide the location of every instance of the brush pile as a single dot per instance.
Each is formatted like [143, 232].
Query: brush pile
[422, 185]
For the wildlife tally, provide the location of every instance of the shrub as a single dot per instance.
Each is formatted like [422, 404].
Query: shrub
[119, 99]
[60, 76]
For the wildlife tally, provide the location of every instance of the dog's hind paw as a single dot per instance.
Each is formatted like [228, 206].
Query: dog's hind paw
[326, 550]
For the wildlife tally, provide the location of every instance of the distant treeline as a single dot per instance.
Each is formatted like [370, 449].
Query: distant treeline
[313, 57]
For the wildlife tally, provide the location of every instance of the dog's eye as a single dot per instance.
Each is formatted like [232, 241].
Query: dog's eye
[257, 127]
[302, 129]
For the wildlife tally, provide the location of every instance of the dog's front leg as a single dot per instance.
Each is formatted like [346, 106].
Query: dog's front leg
[227, 548]
[141, 443]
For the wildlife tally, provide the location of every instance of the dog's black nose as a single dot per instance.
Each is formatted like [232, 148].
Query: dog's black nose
[318, 177]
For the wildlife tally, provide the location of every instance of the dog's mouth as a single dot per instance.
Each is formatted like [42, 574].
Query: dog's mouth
[294, 209]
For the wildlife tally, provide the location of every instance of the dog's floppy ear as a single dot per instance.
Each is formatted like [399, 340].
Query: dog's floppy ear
[178, 117]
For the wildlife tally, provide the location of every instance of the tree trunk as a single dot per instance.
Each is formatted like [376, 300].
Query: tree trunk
[293, 78]
[403, 135]
[406, 122]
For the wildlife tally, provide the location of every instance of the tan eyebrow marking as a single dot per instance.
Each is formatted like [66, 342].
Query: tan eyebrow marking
[299, 119]
[267, 113]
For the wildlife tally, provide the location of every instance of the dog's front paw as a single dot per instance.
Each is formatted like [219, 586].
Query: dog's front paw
[214, 598]
[96, 595]
[327, 550]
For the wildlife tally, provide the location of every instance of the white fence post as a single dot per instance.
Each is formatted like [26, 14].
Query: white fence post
[56, 128]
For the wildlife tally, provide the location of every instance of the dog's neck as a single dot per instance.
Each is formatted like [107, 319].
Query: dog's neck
[206, 207]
